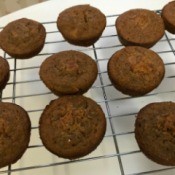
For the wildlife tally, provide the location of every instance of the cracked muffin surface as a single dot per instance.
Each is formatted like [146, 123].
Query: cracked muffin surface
[155, 132]
[72, 126]
[68, 72]
[81, 25]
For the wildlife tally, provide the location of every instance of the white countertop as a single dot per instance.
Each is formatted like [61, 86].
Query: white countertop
[49, 10]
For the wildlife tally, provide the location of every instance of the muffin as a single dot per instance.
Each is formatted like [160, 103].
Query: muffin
[4, 72]
[168, 16]
[15, 129]
[139, 27]
[135, 70]
[68, 72]
[72, 126]
[22, 38]
[155, 132]
[81, 25]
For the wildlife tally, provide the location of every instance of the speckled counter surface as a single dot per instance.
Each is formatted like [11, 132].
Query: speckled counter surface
[9, 6]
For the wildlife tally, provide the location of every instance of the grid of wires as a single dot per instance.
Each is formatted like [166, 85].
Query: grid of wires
[118, 153]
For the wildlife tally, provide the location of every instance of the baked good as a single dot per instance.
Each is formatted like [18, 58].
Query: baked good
[72, 126]
[15, 129]
[155, 132]
[81, 25]
[68, 72]
[4, 72]
[168, 16]
[135, 70]
[139, 27]
[23, 38]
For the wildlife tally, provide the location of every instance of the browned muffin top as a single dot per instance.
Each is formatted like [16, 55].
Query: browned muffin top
[155, 132]
[4, 73]
[168, 15]
[68, 72]
[22, 38]
[72, 126]
[140, 27]
[135, 70]
[14, 133]
[81, 24]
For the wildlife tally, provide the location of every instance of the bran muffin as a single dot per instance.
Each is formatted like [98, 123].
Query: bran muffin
[68, 72]
[155, 132]
[168, 16]
[15, 129]
[4, 72]
[81, 25]
[135, 70]
[72, 126]
[139, 27]
[23, 38]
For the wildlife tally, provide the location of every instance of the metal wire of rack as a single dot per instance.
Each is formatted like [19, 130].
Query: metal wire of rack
[118, 153]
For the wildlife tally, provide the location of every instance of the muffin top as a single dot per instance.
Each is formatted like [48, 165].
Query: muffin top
[22, 38]
[72, 126]
[81, 23]
[4, 72]
[140, 27]
[68, 72]
[168, 11]
[155, 124]
[135, 70]
[15, 129]
[168, 16]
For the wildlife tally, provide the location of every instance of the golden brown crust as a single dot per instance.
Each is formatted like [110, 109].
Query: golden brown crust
[135, 70]
[155, 132]
[15, 129]
[23, 38]
[68, 72]
[81, 25]
[139, 27]
[168, 16]
[72, 126]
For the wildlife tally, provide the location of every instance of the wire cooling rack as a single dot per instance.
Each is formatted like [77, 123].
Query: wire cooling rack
[118, 154]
